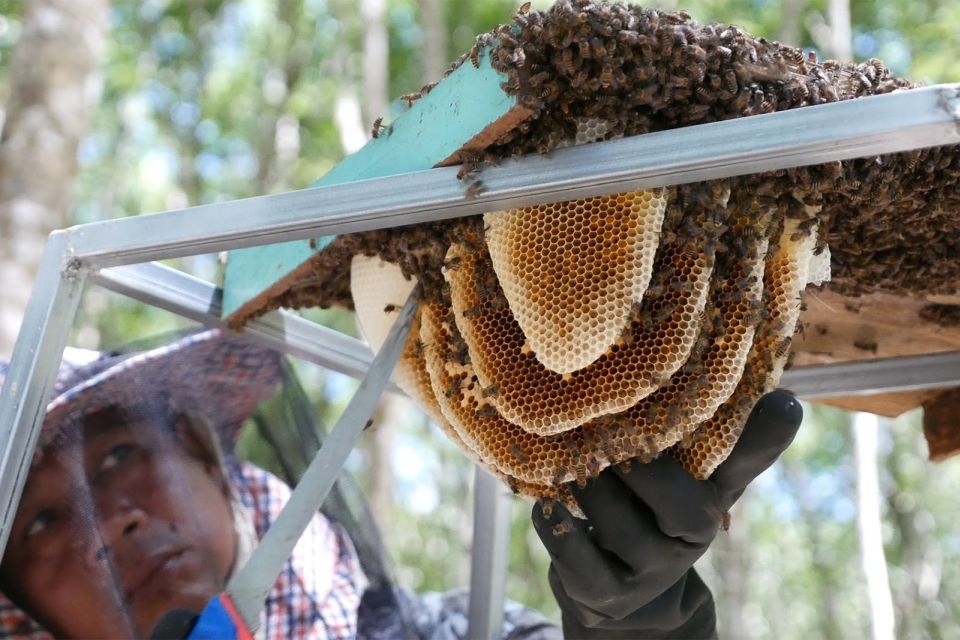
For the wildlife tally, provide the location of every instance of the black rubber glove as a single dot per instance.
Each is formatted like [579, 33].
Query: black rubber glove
[626, 572]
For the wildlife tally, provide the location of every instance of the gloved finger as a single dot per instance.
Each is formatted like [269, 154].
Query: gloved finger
[684, 507]
[769, 430]
[585, 571]
[626, 527]
[683, 610]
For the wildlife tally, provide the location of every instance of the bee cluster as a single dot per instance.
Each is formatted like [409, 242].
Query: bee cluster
[707, 328]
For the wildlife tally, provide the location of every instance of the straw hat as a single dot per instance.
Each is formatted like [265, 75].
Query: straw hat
[214, 373]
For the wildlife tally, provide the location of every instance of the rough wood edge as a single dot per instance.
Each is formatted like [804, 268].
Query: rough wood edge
[941, 424]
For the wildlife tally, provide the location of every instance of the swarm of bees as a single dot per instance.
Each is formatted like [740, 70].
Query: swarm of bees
[554, 341]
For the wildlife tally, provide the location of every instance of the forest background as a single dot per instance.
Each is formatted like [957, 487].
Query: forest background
[113, 109]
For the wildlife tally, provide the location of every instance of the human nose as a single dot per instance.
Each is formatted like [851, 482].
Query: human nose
[118, 522]
[122, 522]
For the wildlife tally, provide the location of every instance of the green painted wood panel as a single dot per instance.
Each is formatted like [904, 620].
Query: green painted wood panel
[465, 103]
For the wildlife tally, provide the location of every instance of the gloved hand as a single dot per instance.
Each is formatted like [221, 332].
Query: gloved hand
[626, 572]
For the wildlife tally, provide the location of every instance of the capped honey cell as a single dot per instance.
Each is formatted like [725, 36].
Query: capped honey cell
[571, 271]
[660, 336]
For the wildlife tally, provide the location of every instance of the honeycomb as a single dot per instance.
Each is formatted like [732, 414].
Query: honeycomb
[571, 271]
[543, 356]
[657, 341]
[709, 376]
[377, 286]
[786, 275]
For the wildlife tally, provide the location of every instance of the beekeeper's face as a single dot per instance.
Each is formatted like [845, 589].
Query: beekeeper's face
[119, 527]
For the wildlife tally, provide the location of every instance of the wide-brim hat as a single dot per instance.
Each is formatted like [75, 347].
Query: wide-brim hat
[218, 374]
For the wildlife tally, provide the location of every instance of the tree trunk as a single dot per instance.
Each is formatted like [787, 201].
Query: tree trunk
[54, 88]
[375, 57]
[809, 523]
[378, 447]
[865, 427]
[841, 35]
[732, 557]
[790, 17]
[434, 40]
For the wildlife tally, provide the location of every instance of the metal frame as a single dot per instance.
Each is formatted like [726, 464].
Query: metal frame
[876, 125]
[248, 588]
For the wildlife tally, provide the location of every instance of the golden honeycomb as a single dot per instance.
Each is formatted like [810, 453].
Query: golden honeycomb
[571, 271]
[542, 351]
[741, 324]
[787, 273]
[655, 343]
[379, 291]
[708, 378]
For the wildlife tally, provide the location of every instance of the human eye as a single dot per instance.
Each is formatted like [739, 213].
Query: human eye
[40, 523]
[113, 457]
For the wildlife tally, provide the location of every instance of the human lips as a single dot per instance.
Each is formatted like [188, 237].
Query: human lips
[152, 573]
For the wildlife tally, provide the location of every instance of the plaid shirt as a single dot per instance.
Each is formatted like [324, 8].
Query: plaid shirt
[317, 593]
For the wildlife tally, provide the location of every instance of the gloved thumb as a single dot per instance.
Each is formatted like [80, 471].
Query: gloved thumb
[769, 430]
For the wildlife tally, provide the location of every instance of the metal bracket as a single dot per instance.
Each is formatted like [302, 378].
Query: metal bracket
[249, 586]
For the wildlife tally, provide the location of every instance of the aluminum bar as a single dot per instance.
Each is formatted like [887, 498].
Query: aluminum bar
[854, 128]
[33, 369]
[195, 299]
[250, 585]
[867, 377]
[488, 558]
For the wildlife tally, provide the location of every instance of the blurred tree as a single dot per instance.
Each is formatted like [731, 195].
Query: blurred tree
[54, 82]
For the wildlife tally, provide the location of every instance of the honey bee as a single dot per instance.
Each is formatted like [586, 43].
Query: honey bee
[475, 56]
[651, 414]
[783, 347]
[597, 48]
[546, 505]
[606, 77]
[519, 454]
[410, 98]
[390, 308]
[524, 9]
[377, 125]
[489, 392]
[454, 388]
[742, 100]
[580, 472]
[473, 312]
[794, 56]
[584, 48]
[559, 475]
[566, 62]
[803, 229]
[486, 411]
[730, 82]
[632, 38]
[474, 189]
